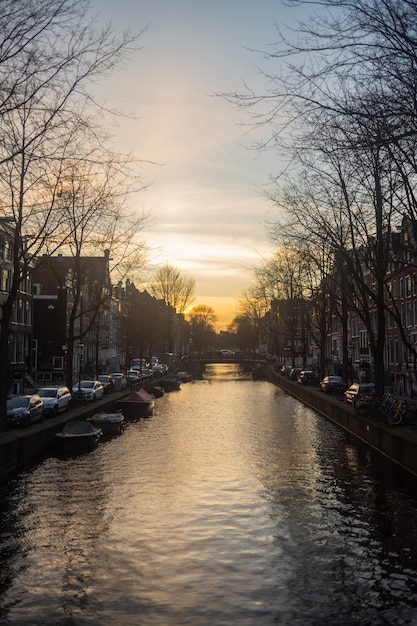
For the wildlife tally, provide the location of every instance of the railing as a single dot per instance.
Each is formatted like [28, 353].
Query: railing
[221, 359]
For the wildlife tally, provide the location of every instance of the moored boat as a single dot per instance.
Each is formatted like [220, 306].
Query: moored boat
[110, 423]
[137, 404]
[78, 435]
[157, 391]
[170, 383]
[184, 377]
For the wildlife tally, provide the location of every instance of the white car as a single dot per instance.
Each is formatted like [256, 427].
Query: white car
[90, 389]
[133, 375]
[55, 399]
[119, 381]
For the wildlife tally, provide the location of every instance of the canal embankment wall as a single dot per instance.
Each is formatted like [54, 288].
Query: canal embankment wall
[398, 443]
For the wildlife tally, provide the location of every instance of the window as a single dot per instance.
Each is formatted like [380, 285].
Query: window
[409, 313]
[407, 286]
[28, 313]
[9, 280]
[21, 317]
[363, 342]
[58, 363]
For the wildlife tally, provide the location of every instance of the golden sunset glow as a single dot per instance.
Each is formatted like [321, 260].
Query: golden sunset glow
[204, 189]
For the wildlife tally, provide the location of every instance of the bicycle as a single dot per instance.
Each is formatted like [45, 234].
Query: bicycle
[367, 406]
[403, 413]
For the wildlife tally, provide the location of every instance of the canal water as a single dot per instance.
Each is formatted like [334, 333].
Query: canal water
[233, 504]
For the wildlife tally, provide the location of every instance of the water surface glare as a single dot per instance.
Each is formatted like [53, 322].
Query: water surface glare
[233, 504]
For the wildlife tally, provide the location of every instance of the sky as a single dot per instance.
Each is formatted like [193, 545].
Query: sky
[205, 198]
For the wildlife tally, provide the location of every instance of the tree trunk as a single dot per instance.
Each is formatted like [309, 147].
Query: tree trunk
[4, 369]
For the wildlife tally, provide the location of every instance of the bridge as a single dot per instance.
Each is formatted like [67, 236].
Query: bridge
[196, 363]
[216, 359]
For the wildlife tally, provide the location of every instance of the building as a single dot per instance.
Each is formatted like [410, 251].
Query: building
[71, 298]
[20, 329]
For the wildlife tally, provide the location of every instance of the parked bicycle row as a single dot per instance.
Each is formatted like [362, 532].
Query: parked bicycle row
[388, 408]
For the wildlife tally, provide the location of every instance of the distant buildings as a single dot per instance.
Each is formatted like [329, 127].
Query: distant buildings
[292, 332]
[20, 337]
[68, 319]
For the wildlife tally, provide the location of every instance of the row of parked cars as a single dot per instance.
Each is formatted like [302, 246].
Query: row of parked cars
[23, 410]
[330, 384]
[143, 370]
[304, 377]
[353, 393]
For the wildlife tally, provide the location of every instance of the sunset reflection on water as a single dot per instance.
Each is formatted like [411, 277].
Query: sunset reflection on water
[233, 504]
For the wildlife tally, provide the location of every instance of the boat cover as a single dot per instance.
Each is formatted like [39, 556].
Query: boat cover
[79, 428]
[138, 396]
[107, 417]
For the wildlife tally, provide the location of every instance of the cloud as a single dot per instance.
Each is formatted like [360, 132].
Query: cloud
[207, 210]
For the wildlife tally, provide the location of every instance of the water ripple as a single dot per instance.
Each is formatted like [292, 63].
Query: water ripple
[232, 504]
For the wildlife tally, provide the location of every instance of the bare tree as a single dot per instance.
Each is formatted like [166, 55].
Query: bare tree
[247, 324]
[202, 319]
[347, 85]
[178, 293]
[50, 54]
[97, 221]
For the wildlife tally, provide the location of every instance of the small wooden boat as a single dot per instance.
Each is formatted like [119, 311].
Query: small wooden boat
[170, 383]
[137, 404]
[157, 392]
[78, 435]
[110, 423]
[184, 377]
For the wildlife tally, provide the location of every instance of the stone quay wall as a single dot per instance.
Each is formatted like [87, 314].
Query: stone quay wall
[399, 443]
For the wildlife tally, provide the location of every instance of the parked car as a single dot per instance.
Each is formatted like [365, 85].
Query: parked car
[294, 373]
[119, 381]
[226, 353]
[90, 389]
[138, 364]
[285, 370]
[359, 390]
[307, 377]
[133, 375]
[146, 374]
[157, 371]
[55, 399]
[107, 381]
[330, 383]
[24, 410]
